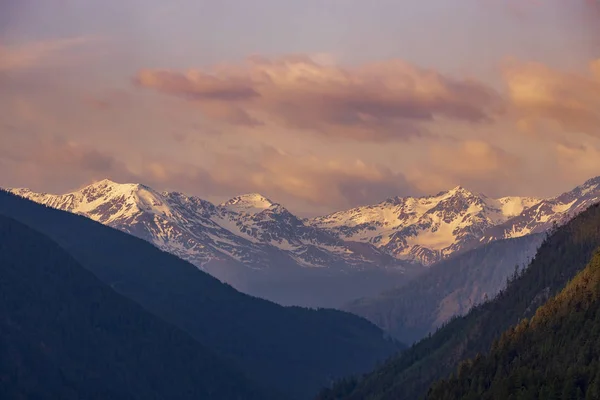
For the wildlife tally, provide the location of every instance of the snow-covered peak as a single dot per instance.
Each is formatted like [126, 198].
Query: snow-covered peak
[592, 182]
[252, 203]
[460, 191]
[105, 200]
[426, 228]
[590, 186]
[512, 205]
[105, 182]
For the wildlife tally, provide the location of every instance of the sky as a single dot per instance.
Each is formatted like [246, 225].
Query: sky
[320, 105]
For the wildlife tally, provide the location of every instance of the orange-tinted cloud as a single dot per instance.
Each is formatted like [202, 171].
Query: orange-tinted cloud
[541, 94]
[377, 101]
[53, 162]
[294, 180]
[578, 161]
[475, 164]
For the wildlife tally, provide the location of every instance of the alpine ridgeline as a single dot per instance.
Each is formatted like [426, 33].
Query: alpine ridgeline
[409, 375]
[263, 249]
[292, 350]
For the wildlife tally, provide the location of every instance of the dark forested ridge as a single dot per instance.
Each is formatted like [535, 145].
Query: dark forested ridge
[448, 288]
[408, 376]
[65, 335]
[294, 350]
[555, 355]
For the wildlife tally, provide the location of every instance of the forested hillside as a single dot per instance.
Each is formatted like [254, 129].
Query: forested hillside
[555, 355]
[448, 288]
[408, 376]
[294, 350]
[65, 335]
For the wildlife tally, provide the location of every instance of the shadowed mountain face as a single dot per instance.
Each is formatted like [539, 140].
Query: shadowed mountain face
[261, 248]
[66, 335]
[294, 350]
[449, 288]
[409, 375]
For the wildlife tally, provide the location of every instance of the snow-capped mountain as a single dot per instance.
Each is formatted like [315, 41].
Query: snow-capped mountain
[543, 215]
[248, 229]
[262, 234]
[426, 229]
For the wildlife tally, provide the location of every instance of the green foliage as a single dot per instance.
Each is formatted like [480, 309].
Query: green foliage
[66, 335]
[293, 349]
[555, 355]
[451, 287]
[409, 375]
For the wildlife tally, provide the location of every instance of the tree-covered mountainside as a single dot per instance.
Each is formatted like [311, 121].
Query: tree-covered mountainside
[66, 335]
[294, 350]
[449, 288]
[409, 375]
[555, 355]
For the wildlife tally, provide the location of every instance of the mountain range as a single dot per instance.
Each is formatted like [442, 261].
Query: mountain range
[71, 323]
[522, 344]
[262, 248]
[58, 265]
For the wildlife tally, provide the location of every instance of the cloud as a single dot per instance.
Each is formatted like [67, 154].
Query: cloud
[578, 161]
[54, 163]
[540, 94]
[35, 54]
[301, 181]
[378, 101]
[474, 164]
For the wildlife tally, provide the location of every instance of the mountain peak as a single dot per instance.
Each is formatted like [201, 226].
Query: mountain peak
[459, 190]
[104, 183]
[248, 202]
[591, 182]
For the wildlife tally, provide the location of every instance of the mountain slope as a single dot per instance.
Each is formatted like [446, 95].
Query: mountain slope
[409, 375]
[429, 229]
[250, 242]
[249, 229]
[543, 215]
[448, 288]
[553, 355]
[293, 349]
[64, 334]
[263, 235]
[261, 248]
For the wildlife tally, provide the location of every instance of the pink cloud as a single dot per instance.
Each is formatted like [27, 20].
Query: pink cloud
[378, 101]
